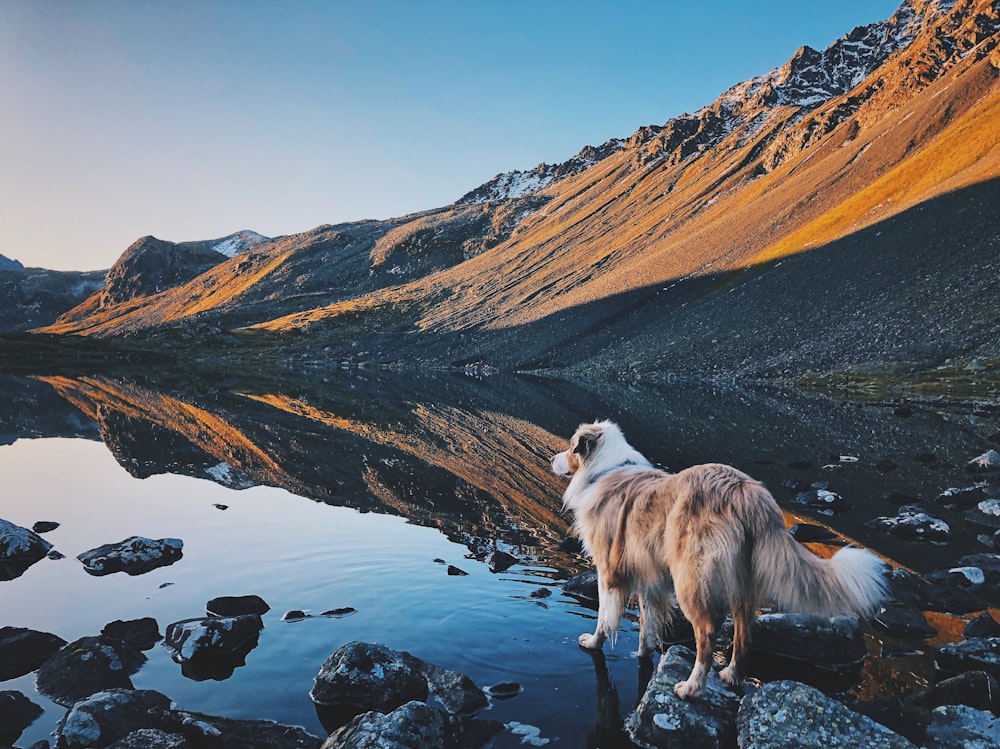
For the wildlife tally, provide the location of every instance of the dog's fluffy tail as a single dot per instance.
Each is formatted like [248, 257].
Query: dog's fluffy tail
[794, 579]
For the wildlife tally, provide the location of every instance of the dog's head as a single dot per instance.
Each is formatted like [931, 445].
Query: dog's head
[587, 446]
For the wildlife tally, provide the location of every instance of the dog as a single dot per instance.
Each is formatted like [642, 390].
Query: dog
[709, 537]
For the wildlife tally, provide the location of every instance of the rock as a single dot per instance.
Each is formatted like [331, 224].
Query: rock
[571, 545]
[986, 514]
[19, 549]
[983, 625]
[212, 647]
[988, 563]
[504, 691]
[109, 715]
[988, 462]
[912, 590]
[806, 533]
[903, 622]
[962, 726]
[213, 732]
[833, 643]
[456, 571]
[236, 605]
[151, 738]
[294, 615]
[134, 556]
[582, 586]
[17, 712]
[87, 666]
[966, 578]
[821, 499]
[973, 688]
[340, 612]
[500, 561]
[786, 713]
[220, 506]
[913, 523]
[960, 497]
[411, 726]
[373, 676]
[662, 719]
[541, 593]
[139, 633]
[976, 654]
[44, 526]
[23, 650]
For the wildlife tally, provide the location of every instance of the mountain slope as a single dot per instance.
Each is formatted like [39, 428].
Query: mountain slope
[889, 117]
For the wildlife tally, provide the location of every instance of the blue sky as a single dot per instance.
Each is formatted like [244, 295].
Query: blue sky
[191, 120]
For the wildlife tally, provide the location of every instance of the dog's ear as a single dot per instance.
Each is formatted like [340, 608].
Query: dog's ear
[586, 443]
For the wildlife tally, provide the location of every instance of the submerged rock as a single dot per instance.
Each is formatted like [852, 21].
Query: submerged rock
[134, 556]
[786, 713]
[109, 715]
[23, 650]
[212, 647]
[913, 523]
[954, 726]
[834, 643]
[414, 725]
[499, 561]
[139, 633]
[87, 666]
[582, 586]
[236, 605]
[663, 719]
[17, 712]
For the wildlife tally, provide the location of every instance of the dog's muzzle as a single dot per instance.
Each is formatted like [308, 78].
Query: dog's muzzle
[560, 465]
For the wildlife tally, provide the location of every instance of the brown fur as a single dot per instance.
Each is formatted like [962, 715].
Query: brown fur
[711, 536]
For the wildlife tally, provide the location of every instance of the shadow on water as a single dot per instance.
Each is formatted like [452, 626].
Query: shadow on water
[471, 459]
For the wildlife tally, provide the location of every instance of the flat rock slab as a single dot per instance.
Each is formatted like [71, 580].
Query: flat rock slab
[955, 726]
[789, 714]
[414, 725]
[664, 720]
[834, 643]
[976, 654]
[133, 556]
[87, 666]
[23, 650]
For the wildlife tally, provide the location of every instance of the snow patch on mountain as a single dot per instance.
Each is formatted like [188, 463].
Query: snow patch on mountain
[238, 243]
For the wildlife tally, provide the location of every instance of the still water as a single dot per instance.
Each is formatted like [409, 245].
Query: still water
[359, 490]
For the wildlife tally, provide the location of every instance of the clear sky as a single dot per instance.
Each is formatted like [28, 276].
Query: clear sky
[193, 119]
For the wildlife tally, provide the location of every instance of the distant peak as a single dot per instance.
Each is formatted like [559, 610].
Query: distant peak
[7, 263]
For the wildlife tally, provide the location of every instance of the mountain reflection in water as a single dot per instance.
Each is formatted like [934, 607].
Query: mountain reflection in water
[470, 458]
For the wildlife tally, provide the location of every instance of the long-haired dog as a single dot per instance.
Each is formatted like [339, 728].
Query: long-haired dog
[709, 535]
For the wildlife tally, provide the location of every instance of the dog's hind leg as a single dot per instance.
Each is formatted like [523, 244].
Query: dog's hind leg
[743, 614]
[655, 618]
[705, 617]
[611, 606]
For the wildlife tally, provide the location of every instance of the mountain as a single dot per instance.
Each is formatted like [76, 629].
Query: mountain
[33, 297]
[834, 214]
[7, 264]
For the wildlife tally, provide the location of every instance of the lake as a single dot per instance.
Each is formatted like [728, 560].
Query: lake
[360, 489]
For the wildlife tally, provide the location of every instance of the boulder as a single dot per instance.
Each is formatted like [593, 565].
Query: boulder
[17, 712]
[962, 726]
[983, 625]
[988, 462]
[44, 526]
[960, 497]
[23, 650]
[139, 633]
[582, 586]
[972, 688]
[151, 738]
[372, 676]
[786, 713]
[988, 563]
[414, 725]
[806, 533]
[903, 622]
[986, 514]
[912, 522]
[19, 549]
[976, 654]
[833, 643]
[236, 605]
[912, 590]
[663, 719]
[109, 715]
[87, 666]
[212, 647]
[213, 732]
[134, 556]
[822, 499]
[499, 561]
[964, 578]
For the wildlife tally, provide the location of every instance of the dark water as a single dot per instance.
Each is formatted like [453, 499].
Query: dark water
[351, 490]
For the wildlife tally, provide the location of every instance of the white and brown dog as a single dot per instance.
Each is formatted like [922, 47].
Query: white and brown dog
[709, 535]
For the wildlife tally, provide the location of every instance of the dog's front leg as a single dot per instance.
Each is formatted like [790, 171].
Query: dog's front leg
[611, 606]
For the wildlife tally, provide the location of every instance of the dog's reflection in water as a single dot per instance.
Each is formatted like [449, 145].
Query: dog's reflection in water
[608, 730]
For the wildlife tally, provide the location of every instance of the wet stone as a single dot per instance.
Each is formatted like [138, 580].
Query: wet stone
[109, 715]
[912, 590]
[500, 561]
[19, 549]
[414, 725]
[582, 586]
[662, 719]
[976, 654]
[786, 713]
[236, 605]
[134, 556]
[806, 533]
[17, 712]
[456, 571]
[983, 625]
[214, 732]
[212, 647]
[151, 738]
[23, 650]
[966, 578]
[44, 526]
[139, 633]
[913, 523]
[954, 726]
[988, 462]
[87, 666]
[988, 563]
[833, 643]
[973, 688]
[903, 622]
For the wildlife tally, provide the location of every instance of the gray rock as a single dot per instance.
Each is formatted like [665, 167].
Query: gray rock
[983, 625]
[913, 523]
[152, 738]
[498, 561]
[904, 622]
[834, 643]
[107, 716]
[954, 726]
[139, 633]
[582, 586]
[988, 462]
[964, 578]
[23, 650]
[213, 732]
[235, 605]
[960, 497]
[374, 677]
[87, 666]
[662, 719]
[986, 514]
[912, 590]
[786, 713]
[977, 654]
[134, 556]
[19, 549]
[410, 726]
[212, 647]
[988, 563]
[17, 712]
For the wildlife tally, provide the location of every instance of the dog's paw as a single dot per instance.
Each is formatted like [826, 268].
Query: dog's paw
[590, 642]
[687, 690]
[730, 676]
